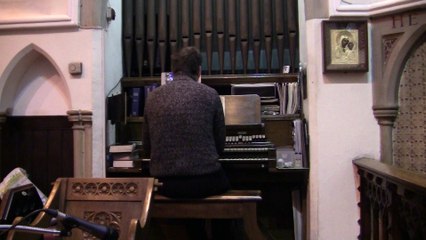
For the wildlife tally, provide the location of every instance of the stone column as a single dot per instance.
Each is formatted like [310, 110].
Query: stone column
[82, 134]
[386, 116]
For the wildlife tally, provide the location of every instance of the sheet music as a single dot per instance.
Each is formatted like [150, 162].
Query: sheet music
[295, 104]
[282, 95]
[290, 94]
[241, 109]
[297, 135]
[290, 97]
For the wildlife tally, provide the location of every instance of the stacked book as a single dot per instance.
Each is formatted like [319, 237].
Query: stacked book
[123, 155]
[270, 106]
[136, 98]
[288, 94]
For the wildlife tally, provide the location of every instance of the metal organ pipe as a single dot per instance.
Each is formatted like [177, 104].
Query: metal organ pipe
[162, 33]
[139, 34]
[238, 37]
[208, 11]
[185, 23]
[128, 37]
[255, 31]
[220, 31]
[267, 32]
[151, 35]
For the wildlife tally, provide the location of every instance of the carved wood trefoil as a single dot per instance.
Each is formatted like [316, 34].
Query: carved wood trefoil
[110, 219]
[113, 188]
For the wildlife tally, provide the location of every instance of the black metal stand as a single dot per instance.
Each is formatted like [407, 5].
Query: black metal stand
[29, 229]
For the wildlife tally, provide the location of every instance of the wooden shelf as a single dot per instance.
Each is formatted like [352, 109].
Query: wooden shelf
[124, 170]
[248, 78]
[284, 170]
[133, 119]
[286, 117]
[139, 81]
[220, 79]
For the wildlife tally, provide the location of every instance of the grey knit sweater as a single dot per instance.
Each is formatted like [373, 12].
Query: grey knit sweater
[184, 129]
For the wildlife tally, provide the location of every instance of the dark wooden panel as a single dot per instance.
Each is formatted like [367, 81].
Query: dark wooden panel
[42, 145]
[280, 132]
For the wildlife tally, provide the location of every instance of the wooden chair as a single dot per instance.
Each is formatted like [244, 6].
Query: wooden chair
[234, 204]
[120, 203]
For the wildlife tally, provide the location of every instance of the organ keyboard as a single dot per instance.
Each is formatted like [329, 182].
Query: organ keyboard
[247, 143]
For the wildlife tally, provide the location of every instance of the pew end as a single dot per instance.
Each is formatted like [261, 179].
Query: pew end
[119, 203]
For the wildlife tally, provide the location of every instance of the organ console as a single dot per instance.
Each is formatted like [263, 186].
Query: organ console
[247, 144]
[249, 160]
[242, 42]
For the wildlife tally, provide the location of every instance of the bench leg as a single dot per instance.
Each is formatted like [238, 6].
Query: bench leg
[250, 222]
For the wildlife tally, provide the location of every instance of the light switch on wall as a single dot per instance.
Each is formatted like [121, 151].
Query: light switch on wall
[75, 68]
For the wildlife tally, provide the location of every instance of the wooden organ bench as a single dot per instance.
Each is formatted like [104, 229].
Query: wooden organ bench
[234, 204]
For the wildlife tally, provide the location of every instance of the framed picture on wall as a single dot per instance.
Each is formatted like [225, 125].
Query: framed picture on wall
[345, 46]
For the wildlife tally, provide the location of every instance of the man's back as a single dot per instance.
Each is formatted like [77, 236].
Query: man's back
[184, 128]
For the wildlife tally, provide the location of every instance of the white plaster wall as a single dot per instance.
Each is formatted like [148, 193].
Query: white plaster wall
[370, 7]
[98, 107]
[341, 128]
[86, 91]
[113, 72]
[41, 91]
[113, 62]
[99, 50]
[60, 48]
[42, 13]
[60, 45]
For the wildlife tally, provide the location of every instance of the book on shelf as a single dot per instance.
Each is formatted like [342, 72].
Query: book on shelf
[149, 88]
[120, 148]
[123, 164]
[270, 109]
[123, 156]
[289, 97]
[136, 97]
[135, 101]
[300, 143]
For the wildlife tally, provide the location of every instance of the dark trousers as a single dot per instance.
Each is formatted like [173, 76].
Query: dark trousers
[194, 186]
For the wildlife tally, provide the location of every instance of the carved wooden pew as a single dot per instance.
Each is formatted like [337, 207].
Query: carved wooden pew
[392, 203]
[235, 204]
[120, 203]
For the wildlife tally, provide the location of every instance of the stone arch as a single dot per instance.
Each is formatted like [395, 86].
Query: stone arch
[409, 130]
[396, 62]
[389, 70]
[23, 85]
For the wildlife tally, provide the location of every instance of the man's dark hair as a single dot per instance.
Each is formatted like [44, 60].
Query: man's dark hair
[188, 61]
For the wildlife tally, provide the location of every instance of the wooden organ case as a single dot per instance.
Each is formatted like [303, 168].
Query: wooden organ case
[243, 42]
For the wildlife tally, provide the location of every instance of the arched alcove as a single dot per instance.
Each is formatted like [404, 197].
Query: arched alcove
[33, 85]
[395, 38]
[36, 133]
